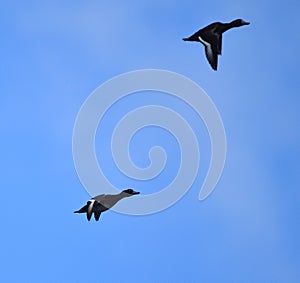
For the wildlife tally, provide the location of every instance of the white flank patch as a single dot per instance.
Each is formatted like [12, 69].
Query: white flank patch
[91, 206]
[203, 41]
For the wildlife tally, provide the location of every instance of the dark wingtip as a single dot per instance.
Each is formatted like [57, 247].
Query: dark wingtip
[214, 67]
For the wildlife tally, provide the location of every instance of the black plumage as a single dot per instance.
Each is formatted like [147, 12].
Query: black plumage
[211, 38]
[101, 203]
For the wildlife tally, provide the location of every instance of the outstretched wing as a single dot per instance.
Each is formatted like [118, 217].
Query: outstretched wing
[211, 48]
[97, 215]
[98, 209]
[90, 209]
[83, 209]
[212, 56]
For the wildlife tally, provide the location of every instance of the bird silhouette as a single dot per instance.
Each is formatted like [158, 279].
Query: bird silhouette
[211, 38]
[101, 203]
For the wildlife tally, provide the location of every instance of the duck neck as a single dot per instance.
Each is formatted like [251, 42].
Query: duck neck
[123, 195]
[228, 26]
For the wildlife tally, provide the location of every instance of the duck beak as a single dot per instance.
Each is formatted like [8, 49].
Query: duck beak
[135, 193]
[246, 23]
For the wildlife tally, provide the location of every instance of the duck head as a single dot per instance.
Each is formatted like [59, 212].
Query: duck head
[239, 23]
[130, 192]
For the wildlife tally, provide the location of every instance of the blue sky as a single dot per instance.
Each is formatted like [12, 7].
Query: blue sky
[53, 55]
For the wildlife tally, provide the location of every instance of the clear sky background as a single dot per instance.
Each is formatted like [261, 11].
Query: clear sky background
[53, 55]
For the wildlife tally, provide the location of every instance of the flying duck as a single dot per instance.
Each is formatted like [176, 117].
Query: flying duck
[101, 203]
[211, 38]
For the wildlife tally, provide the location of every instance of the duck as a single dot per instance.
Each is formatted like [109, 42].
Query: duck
[211, 37]
[101, 203]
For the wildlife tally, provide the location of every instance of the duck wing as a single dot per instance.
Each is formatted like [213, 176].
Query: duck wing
[83, 209]
[212, 56]
[211, 51]
[90, 210]
[98, 209]
[97, 215]
[211, 41]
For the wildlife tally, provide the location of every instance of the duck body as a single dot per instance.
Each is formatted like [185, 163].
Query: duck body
[101, 203]
[211, 37]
